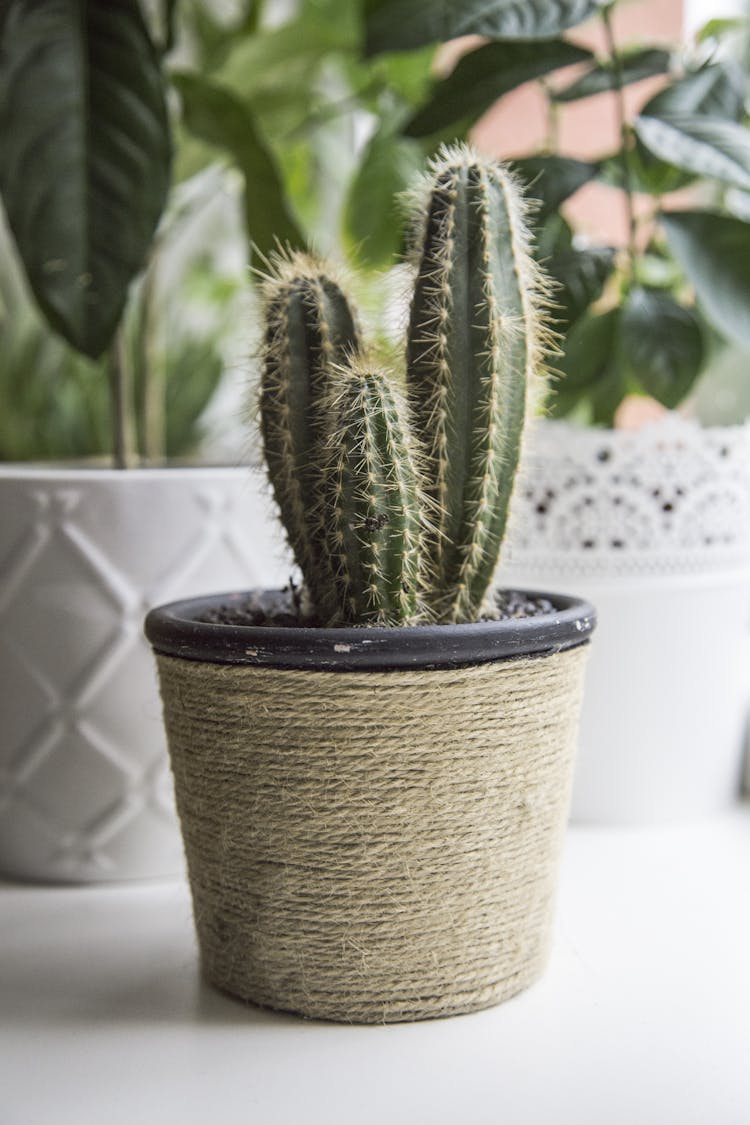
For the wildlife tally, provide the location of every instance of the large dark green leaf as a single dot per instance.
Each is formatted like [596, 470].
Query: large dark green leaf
[86, 156]
[581, 276]
[373, 219]
[484, 75]
[662, 344]
[217, 116]
[397, 25]
[589, 368]
[635, 66]
[714, 252]
[552, 179]
[710, 147]
[716, 90]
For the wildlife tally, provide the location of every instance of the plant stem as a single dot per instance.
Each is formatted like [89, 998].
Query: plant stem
[124, 450]
[625, 140]
[552, 137]
[153, 374]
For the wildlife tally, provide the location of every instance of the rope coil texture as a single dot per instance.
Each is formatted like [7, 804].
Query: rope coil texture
[373, 846]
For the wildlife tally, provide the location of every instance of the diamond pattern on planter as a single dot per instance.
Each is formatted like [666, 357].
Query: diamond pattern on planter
[85, 788]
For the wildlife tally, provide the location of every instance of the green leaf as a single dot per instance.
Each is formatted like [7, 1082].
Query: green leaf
[552, 237]
[264, 62]
[718, 27]
[648, 174]
[86, 156]
[716, 90]
[714, 252]
[398, 25]
[581, 276]
[484, 75]
[408, 76]
[552, 179]
[217, 116]
[589, 368]
[635, 66]
[709, 147]
[373, 219]
[662, 344]
[655, 271]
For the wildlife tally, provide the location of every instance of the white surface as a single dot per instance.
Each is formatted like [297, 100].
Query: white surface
[643, 1017]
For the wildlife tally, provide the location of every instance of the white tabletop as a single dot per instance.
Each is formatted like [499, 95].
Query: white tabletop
[643, 1017]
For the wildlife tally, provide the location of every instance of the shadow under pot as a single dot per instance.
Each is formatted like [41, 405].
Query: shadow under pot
[372, 817]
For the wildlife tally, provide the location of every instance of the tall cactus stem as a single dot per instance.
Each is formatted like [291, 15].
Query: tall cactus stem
[474, 353]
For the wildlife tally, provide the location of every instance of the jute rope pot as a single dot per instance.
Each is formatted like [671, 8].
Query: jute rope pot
[369, 839]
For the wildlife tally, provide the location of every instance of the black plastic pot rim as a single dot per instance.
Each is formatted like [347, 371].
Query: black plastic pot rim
[176, 630]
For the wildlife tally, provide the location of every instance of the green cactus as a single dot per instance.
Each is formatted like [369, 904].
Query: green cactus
[309, 327]
[372, 501]
[474, 348]
[384, 535]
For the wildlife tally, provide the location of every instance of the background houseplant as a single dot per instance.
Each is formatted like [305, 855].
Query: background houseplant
[135, 99]
[654, 526]
[395, 509]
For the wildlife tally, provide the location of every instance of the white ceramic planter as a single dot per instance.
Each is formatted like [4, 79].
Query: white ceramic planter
[85, 791]
[653, 528]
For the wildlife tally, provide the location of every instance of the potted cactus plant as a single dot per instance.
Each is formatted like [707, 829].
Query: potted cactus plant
[372, 775]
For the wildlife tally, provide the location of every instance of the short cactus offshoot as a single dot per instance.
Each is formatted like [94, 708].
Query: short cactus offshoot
[396, 509]
[309, 328]
[371, 502]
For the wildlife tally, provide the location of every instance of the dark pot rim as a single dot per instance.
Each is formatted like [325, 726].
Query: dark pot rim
[174, 630]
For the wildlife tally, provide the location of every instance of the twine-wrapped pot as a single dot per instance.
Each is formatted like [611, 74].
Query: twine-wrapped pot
[372, 817]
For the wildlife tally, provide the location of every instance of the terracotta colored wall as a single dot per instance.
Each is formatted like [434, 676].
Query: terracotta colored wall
[588, 129]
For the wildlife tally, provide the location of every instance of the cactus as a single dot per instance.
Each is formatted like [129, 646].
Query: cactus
[474, 345]
[384, 535]
[372, 501]
[309, 327]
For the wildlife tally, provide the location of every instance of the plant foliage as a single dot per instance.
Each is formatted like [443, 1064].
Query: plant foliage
[636, 318]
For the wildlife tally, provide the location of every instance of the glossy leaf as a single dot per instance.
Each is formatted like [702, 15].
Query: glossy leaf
[588, 367]
[86, 156]
[373, 218]
[708, 147]
[716, 90]
[552, 179]
[635, 66]
[648, 174]
[714, 252]
[662, 344]
[217, 116]
[398, 25]
[484, 75]
[581, 276]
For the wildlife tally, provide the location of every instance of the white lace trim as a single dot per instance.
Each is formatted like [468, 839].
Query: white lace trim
[673, 497]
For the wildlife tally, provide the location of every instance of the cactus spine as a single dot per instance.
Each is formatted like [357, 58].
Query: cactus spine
[309, 327]
[473, 349]
[372, 500]
[384, 536]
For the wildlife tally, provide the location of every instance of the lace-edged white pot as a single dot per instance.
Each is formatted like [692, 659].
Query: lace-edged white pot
[653, 527]
[85, 788]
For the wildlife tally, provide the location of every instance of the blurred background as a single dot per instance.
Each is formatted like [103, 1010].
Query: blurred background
[289, 120]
